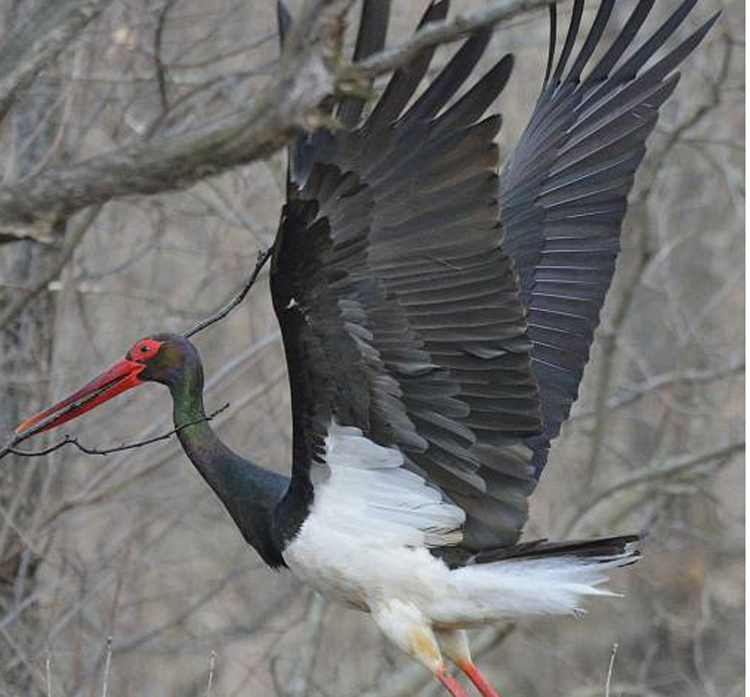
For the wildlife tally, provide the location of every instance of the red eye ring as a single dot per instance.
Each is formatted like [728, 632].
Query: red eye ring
[145, 348]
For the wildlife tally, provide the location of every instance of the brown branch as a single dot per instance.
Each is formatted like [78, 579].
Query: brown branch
[159, 66]
[305, 77]
[38, 42]
[72, 240]
[673, 468]
[72, 440]
[437, 33]
[634, 393]
[263, 257]
[309, 72]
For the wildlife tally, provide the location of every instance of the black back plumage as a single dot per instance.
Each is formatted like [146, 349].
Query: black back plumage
[405, 269]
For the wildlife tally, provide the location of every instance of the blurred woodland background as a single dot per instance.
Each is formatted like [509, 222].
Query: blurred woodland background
[122, 575]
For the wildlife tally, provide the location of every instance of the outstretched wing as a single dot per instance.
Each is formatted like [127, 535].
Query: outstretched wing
[564, 189]
[403, 328]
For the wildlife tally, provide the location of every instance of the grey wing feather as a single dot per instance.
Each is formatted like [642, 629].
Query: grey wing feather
[564, 190]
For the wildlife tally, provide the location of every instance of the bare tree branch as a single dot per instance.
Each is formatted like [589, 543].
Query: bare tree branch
[634, 393]
[263, 257]
[38, 41]
[308, 73]
[72, 440]
[305, 77]
[300, 684]
[73, 238]
[673, 467]
[442, 33]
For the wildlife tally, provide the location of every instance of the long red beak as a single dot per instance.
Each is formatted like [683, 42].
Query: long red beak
[122, 376]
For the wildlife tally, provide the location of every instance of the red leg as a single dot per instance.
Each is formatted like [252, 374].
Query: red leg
[480, 682]
[451, 684]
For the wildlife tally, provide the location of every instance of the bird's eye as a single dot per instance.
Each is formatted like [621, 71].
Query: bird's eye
[144, 349]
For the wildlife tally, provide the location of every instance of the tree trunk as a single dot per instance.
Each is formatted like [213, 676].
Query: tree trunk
[25, 353]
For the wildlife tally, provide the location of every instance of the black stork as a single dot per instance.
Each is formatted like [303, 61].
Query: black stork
[436, 318]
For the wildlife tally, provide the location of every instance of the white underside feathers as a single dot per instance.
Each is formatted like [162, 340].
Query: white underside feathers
[366, 543]
[368, 492]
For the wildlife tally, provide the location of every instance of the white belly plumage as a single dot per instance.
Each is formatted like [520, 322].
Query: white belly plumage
[345, 570]
[370, 526]
[366, 542]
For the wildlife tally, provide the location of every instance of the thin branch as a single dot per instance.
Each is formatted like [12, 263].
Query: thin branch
[634, 393]
[672, 468]
[300, 685]
[263, 257]
[676, 135]
[211, 669]
[608, 684]
[48, 674]
[310, 71]
[72, 440]
[160, 67]
[307, 75]
[72, 239]
[437, 33]
[107, 667]
[38, 42]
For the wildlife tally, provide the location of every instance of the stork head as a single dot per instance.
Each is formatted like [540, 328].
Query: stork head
[163, 358]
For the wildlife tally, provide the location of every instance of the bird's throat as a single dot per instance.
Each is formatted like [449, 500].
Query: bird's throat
[249, 492]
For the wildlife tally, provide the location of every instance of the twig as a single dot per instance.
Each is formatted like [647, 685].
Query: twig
[107, 667]
[310, 71]
[673, 467]
[48, 674]
[38, 42]
[72, 240]
[609, 670]
[160, 67]
[301, 683]
[263, 257]
[633, 393]
[441, 33]
[72, 440]
[211, 667]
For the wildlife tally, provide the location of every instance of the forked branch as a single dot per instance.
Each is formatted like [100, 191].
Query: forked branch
[263, 257]
[72, 440]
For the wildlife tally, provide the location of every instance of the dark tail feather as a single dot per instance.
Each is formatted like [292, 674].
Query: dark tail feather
[598, 550]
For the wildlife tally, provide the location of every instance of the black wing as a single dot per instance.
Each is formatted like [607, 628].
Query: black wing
[564, 189]
[400, 312]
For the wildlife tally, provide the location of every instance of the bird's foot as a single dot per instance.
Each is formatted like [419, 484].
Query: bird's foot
[480, 682]
[451, 684]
